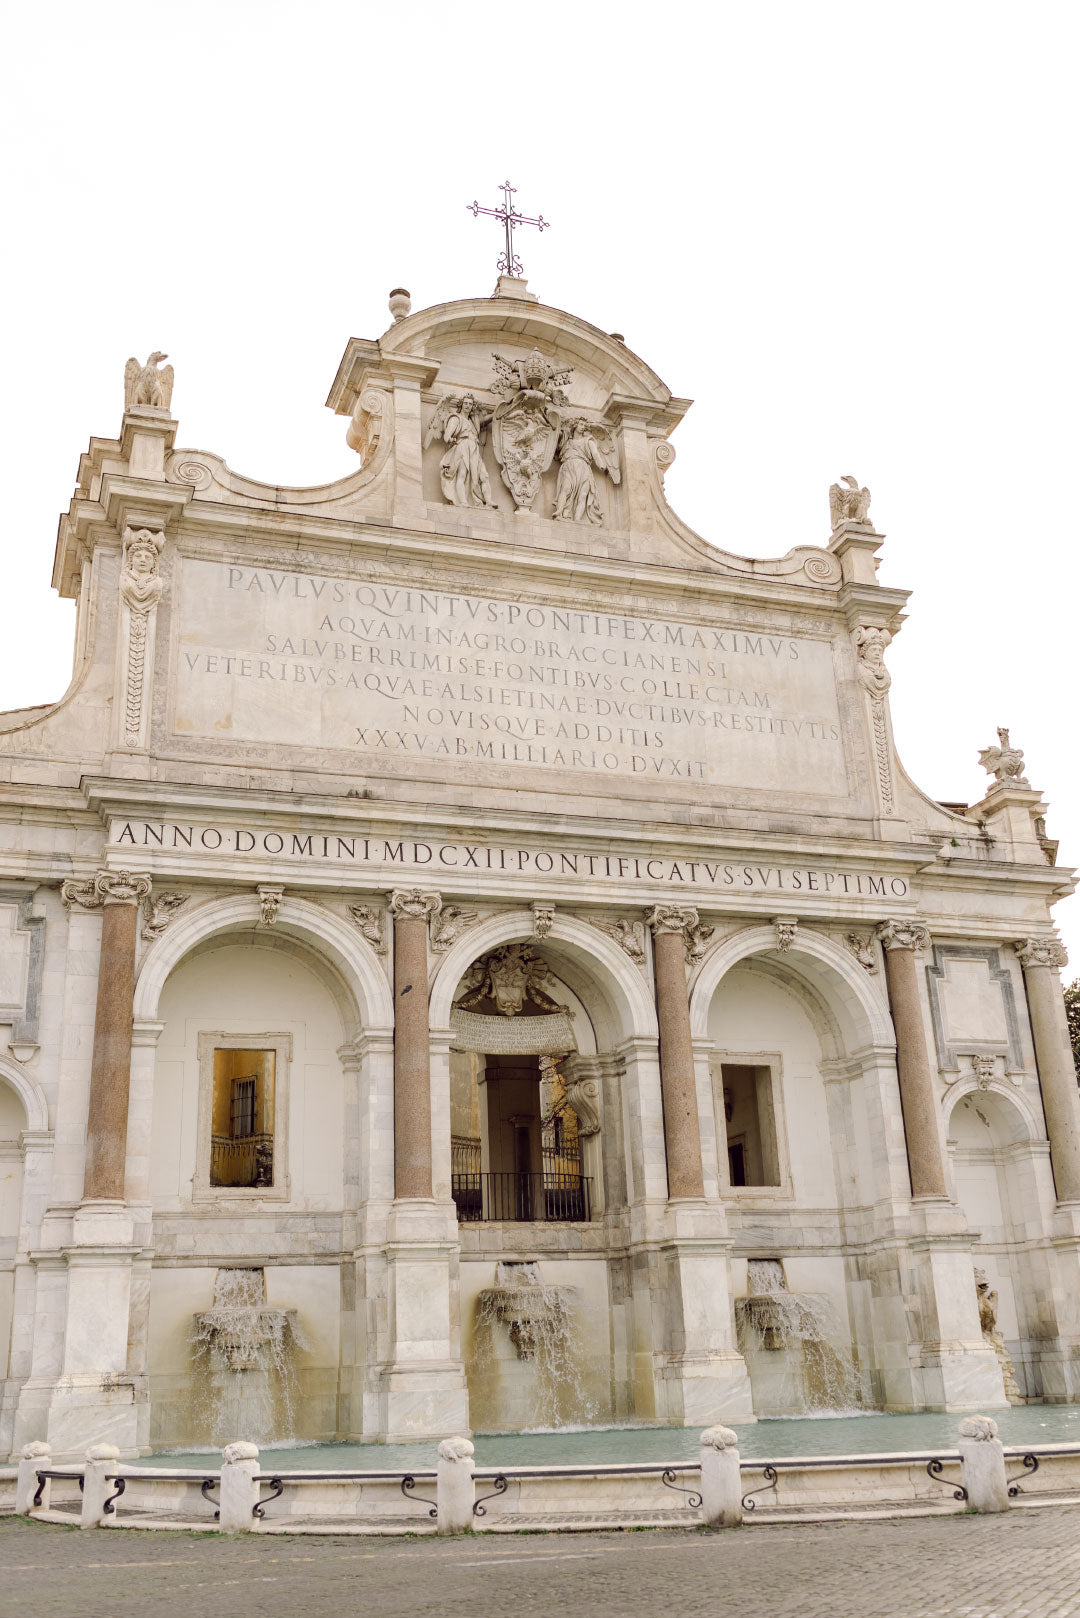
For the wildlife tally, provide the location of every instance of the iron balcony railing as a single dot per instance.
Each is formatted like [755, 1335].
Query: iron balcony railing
[248, 1160]
[513, 1196]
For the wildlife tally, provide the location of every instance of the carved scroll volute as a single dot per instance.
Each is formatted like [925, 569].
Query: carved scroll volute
[870, 642]
[140, 591]
[371, 430]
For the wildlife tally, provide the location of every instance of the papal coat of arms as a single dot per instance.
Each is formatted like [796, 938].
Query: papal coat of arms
[526, 423]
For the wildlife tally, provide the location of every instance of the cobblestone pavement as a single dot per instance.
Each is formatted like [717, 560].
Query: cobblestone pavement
[1024, 1565]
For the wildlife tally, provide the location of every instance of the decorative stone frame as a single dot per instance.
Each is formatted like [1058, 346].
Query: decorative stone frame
[773, 1060]
[949, 1052]
[282, 1047]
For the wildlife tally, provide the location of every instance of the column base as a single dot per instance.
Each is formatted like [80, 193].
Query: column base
[416, 1388]
[1057, 1360]
[695, 1374]
[952, 1366]
[77, 1411]
[416, 1402]
[706, 1391]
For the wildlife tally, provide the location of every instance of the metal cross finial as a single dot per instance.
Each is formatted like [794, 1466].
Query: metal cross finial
[508, 217]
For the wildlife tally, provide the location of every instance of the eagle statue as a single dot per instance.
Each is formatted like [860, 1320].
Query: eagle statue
[147, 385]
[850, 504]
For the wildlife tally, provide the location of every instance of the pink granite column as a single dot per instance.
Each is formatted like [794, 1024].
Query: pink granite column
[925, 1161]
[411, 910]
[120, 894]
[1041, 959]
[682, 1133]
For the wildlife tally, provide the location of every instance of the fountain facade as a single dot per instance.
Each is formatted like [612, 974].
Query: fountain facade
[652, 829]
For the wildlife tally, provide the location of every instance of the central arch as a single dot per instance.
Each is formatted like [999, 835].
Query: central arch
[614, 990]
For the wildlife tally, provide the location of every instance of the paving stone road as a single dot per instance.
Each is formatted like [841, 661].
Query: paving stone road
[1024, 1565]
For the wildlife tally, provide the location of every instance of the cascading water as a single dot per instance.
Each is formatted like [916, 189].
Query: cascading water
[244, 1376]
[794, 1348]
[527, 1365]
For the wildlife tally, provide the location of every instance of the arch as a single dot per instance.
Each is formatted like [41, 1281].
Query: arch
[1008, 1107]
[587, 958]
[315, 928]
[29, 1093]
[843, 986]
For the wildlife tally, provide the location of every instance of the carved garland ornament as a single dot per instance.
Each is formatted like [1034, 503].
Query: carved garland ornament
[870, 643]
[140, 589]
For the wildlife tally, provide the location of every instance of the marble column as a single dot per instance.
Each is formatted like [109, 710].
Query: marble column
[120, 894]
[412, 910]
[682, 1135]
[926, 1163]
[1041, 959]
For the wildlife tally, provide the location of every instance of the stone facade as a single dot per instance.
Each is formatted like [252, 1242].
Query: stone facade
[330, 760]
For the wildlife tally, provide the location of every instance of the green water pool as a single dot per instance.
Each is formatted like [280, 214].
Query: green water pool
[828, 1435]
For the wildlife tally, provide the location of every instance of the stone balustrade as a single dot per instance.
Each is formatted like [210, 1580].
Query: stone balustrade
[719, 1490]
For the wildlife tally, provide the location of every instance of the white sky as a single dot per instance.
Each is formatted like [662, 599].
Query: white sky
[847, 230]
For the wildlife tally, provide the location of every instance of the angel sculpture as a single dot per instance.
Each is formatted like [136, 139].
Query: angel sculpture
[848, 505]
[1004, 762]
[584, 449]
[460, 422]
[146, 385]
[525, 425]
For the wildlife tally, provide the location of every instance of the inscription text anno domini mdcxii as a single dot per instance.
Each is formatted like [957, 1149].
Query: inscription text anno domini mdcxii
[284, 657]
[385, 857]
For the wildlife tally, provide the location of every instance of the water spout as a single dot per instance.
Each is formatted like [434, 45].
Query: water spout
[243, 1350]
[541, 1383]
[793, 1346]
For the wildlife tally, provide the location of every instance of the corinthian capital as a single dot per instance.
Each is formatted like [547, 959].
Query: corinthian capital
[903, 935]
[105, 887]
[415, 902]
[671, 918]
[1041, 952]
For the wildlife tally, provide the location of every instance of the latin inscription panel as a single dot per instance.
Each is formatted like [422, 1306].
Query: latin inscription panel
[272, 656]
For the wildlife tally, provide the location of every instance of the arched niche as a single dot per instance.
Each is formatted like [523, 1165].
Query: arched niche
[853, 1010]
[999, 1159]
[802, 1066]
[31, 1096]
[312, 929]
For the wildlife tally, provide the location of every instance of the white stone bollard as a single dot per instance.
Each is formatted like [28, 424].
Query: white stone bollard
[454, 1490]
[240, 1474]
[982, 1465]
[721, 1483]
[35, 1457]
[100, 1458]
